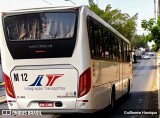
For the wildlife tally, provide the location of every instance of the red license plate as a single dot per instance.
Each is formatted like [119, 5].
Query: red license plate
[46, 104]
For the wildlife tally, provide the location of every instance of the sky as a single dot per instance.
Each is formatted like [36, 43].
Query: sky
[144, 8]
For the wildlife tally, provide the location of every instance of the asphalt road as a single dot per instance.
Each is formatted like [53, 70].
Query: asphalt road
[143, 96]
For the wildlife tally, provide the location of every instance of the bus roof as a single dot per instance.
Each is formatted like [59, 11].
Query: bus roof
[41, 9]
[69, 7]
[32, 4]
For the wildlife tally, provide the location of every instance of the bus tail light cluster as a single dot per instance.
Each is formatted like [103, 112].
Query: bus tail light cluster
[8, 86]
[84, 83]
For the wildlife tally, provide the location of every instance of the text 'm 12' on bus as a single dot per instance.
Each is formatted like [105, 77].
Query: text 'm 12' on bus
[66, 59]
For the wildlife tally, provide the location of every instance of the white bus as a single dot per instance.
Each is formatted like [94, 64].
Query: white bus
[66, 59]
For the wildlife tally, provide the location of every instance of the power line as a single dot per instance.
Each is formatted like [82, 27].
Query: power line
[47, 2]
[71, 1]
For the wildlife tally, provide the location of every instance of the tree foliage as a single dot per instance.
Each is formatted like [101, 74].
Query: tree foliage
[139, 41]
[147, 25]
[154, 32]
[122, 22]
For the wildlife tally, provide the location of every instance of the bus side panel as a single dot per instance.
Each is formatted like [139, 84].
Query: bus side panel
[97, 90]
[82, 57]
[106, 95]
[104, 74]
[127, 72]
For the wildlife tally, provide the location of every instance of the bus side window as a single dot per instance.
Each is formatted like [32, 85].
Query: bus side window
[106, 44]
[91, 37]
[101, 42]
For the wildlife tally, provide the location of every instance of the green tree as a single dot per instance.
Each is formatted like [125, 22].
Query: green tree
[138, 41]
[148, 25]
[154, 47]
[122, 22]
[154, 32]
[95, 8]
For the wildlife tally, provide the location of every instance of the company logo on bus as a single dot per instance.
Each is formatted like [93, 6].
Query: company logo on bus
[38, 86]
[51, 79]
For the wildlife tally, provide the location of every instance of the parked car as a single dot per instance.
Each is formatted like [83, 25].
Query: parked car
[151, 53]
[146, 56]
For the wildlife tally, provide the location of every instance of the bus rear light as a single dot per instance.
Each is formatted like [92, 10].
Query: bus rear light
[84, 83]
[11, 101]
[82, 100]
[8, 86]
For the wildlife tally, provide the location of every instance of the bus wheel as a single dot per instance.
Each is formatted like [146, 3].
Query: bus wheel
[113, 99]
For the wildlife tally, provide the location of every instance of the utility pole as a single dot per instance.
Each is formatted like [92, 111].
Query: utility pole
[155, 10]
[158, 10]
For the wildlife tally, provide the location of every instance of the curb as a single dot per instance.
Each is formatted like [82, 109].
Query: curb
[1, 83]
[3, 99]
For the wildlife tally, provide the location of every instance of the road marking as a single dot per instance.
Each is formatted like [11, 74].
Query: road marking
[2, 84]
[3, 99]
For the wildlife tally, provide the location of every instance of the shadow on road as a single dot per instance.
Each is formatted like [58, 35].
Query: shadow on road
[136, 62]
[145, 68]
[135, 102]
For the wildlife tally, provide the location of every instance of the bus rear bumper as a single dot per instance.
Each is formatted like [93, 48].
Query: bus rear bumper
[12, 105]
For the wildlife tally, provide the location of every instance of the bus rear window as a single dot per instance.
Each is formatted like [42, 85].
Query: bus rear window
[41, 35]
[40, 26]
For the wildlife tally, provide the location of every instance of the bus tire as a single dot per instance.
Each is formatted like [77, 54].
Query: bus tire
[113, 98]
[129, 87]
